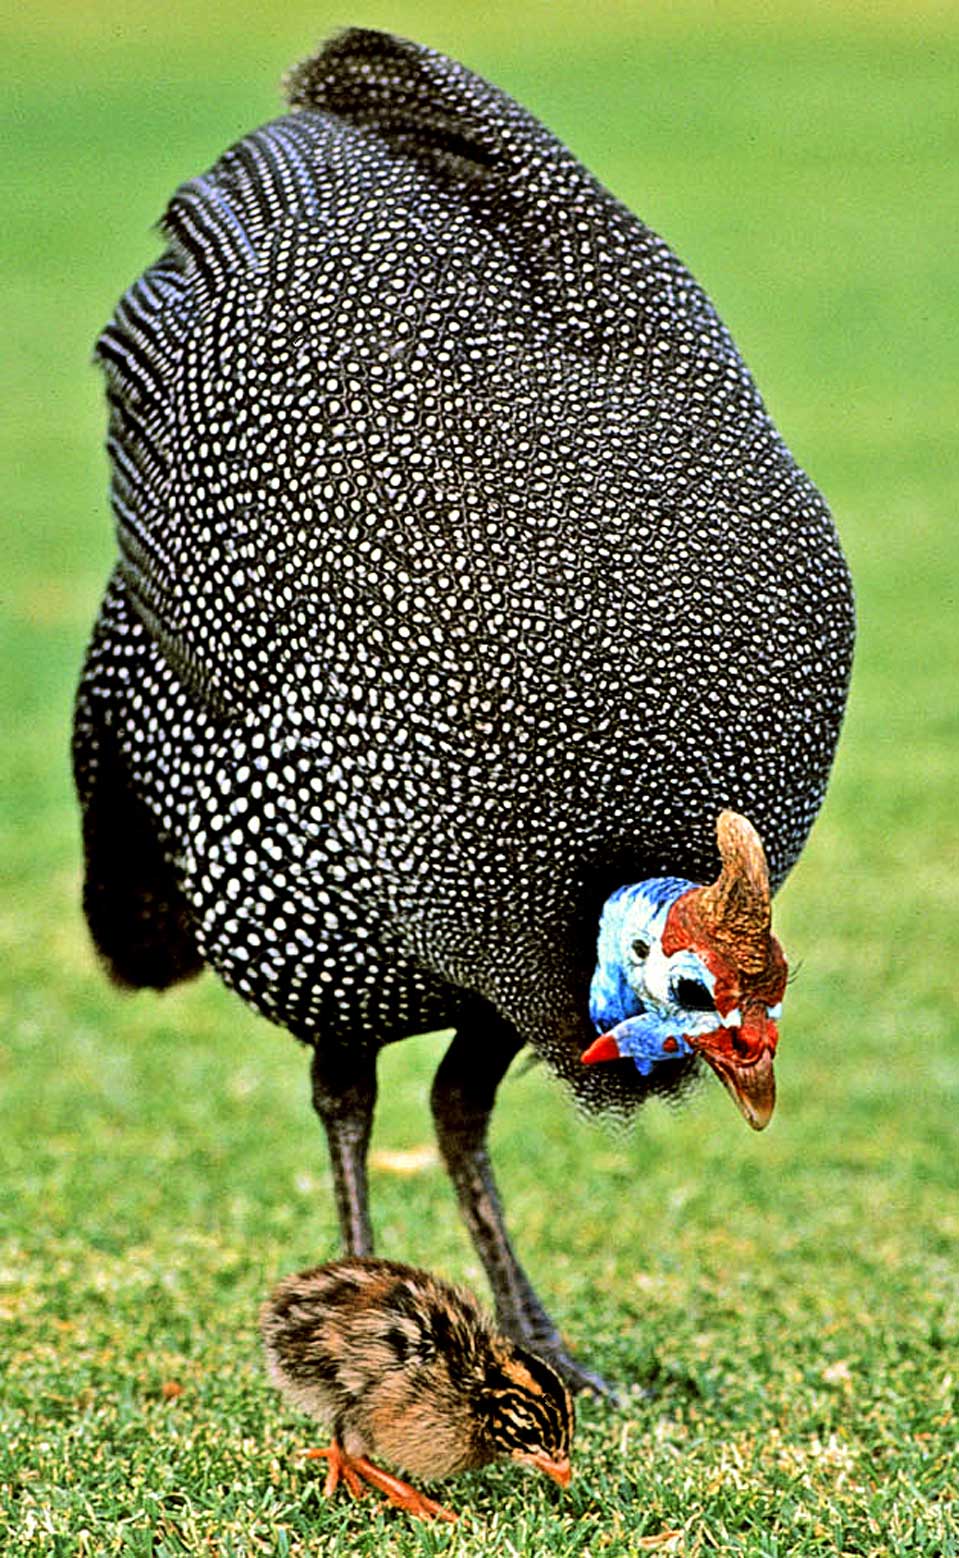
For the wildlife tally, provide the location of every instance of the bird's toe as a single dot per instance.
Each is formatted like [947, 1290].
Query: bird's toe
[580, 1379]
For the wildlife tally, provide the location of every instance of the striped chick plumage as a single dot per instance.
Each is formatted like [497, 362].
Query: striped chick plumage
[404, 1366]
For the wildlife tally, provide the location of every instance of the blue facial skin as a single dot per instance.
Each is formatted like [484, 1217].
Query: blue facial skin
[619, 1002]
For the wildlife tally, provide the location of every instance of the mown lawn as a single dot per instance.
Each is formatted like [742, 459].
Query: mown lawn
[786, 1306]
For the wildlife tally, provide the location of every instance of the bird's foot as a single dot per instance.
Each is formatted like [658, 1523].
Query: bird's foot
[340, 1466]
[400, 1493]
[576, 1376]
[356, 1469]
[532, 1328]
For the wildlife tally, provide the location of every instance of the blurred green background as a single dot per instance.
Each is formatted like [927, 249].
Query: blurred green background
[790, 1299]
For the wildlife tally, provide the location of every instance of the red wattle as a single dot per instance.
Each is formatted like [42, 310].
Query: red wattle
[603, 1048]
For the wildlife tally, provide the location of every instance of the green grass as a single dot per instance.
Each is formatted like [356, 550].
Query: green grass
[791, 1300]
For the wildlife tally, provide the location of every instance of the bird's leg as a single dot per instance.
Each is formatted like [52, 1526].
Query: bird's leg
[356, 1469]
[400, 1493]
[464, 1090]
[344, 1093]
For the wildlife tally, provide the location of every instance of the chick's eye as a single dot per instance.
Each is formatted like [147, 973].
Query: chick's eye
[641, 948]
[692, 995]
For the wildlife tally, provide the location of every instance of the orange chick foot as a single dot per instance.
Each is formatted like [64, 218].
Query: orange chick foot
[340, 1466]
[354, 1470]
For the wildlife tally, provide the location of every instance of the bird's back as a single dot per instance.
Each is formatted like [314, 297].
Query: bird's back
[390, 1356]
[464, 572]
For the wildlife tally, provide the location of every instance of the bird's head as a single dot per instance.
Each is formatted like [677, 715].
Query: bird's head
[685, 969]
[527, 1414]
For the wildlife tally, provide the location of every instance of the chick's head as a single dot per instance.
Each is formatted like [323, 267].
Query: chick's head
[526, 1413]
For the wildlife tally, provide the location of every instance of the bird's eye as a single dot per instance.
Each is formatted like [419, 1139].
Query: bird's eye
[692, 995]
[641, 948]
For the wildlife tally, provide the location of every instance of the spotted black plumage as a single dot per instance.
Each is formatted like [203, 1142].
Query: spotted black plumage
[463, 578]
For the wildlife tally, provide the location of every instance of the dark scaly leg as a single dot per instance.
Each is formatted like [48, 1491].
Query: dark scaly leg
[344, 1093]
[464, 1090]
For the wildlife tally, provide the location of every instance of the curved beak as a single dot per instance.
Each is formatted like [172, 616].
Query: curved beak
[560, 1471]
[751, 1084]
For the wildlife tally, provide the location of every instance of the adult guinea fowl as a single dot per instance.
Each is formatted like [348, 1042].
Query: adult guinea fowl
[464, 582]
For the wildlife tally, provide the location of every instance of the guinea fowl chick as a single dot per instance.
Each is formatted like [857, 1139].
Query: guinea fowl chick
[404, 1366]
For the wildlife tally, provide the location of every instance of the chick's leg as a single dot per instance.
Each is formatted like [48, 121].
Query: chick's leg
[464, 1090]
[400, 1493]
[344, 1094]
[356, 1469]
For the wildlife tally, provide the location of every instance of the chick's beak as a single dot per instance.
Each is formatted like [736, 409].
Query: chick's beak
[560, 1471]
[750, 1083]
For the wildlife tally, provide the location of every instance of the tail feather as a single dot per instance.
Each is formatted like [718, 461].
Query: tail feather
[435, 110]
[138, 917]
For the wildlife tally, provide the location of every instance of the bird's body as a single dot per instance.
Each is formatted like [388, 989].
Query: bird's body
[405, 1367]
[463, 580]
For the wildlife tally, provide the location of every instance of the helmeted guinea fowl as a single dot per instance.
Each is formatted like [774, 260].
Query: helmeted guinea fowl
[464, 582]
